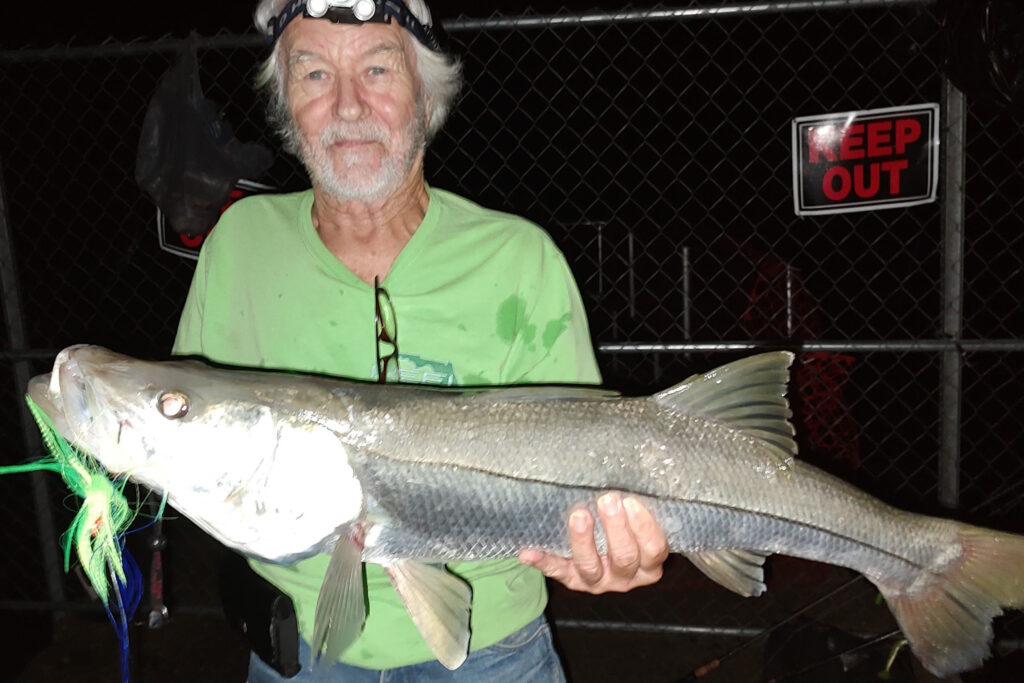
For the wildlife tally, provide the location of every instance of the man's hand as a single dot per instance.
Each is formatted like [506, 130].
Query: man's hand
[637, 549]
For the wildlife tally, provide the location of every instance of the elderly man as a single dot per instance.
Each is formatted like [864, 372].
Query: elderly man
[373, 274]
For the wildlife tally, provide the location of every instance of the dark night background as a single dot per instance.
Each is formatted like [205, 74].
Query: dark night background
[670, 134]
[87, 23]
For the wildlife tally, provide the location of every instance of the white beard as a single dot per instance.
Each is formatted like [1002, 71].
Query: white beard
[346, 178]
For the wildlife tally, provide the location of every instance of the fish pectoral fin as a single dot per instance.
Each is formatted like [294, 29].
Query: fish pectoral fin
[748, 395]
[439, 604]
[341, 605]
[741, 571]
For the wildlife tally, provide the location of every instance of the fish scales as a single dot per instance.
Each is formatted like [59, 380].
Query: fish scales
[433, 519]
[597, 444]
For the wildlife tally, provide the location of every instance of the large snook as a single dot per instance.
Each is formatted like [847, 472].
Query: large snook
[281, 466]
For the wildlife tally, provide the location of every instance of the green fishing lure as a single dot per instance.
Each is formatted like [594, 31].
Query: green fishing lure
[98, 529]
[104, 515]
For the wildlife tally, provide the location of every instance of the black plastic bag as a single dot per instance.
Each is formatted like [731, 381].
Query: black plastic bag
[188, 158]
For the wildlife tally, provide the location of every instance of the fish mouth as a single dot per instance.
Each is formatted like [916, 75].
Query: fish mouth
[67, 395]
[39, 392]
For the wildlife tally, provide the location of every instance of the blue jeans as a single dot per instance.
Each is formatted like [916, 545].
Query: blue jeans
[526, 655]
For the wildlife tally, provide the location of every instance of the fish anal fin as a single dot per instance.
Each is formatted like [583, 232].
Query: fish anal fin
[439, 604]
[946, 614]
[741, 571]
[341, 604]
[748, 395]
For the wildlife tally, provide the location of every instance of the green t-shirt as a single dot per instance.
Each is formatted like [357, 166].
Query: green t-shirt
[480, 297]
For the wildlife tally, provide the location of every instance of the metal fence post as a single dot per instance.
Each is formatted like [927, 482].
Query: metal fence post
[952, 293]
[11, 294]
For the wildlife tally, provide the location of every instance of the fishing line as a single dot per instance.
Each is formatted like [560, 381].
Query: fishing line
[1009, 486]
[853, 597]
[713, 664]
[860, 646]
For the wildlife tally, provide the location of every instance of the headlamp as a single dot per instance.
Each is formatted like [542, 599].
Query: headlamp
[362, 10]
[355, 12]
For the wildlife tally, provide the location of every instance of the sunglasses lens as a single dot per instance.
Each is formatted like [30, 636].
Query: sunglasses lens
[387, 371]
[387, 329]
[387, 336]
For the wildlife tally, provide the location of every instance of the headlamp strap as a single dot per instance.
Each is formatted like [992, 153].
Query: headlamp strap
[385, 11]
[277, 24]
[407, 20]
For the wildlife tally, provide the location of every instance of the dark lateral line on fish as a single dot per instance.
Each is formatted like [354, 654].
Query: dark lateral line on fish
[627, 491]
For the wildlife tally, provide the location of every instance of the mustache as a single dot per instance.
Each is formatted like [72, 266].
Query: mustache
[366, 131]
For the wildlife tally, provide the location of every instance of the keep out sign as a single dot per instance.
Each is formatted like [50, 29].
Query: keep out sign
[188, 246]
[862, 160]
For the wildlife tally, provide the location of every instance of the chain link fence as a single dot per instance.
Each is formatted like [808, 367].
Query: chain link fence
[655, 147]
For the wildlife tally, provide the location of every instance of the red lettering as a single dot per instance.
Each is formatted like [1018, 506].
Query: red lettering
[828, 186]
[192, 241]
[857, 141]
[852, 145]
[858, 181]
[865, 180]
[821, 140]
[893, 168]
[907, 131]
[235, 195]
[879, 138]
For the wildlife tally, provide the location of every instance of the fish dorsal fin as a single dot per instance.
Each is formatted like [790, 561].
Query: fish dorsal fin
[741, 571]
[341, 606]
[543, 392]
[748, 395]
[439, 604]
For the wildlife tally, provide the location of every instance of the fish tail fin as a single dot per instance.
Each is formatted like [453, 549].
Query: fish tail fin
[946, 614]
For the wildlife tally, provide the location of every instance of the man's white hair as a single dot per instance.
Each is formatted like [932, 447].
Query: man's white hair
[440, 74]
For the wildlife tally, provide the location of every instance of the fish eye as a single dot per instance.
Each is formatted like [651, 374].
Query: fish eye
[173, 404]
